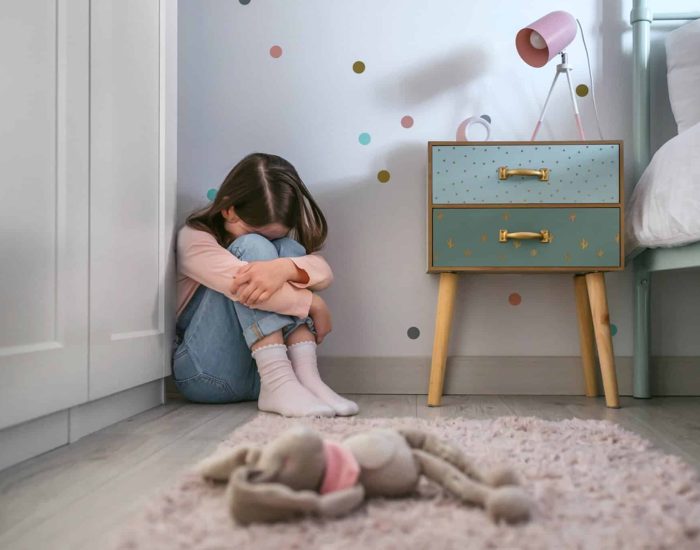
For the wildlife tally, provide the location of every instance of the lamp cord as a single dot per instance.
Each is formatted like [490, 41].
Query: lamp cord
[590, 75]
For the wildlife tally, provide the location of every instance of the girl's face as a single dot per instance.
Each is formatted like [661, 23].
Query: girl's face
[237, 227]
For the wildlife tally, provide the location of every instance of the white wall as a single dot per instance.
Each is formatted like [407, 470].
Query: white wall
[438, 61]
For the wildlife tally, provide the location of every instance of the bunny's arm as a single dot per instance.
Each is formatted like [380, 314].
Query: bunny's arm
[219, 466]
[449, 477]
[441, 449]
[502, 503]
[496, 476]
[339, 503]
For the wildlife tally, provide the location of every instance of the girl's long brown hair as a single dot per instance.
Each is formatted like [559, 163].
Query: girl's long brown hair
[264, 189]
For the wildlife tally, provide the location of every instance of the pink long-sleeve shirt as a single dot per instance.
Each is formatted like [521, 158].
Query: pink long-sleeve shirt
[201, 260]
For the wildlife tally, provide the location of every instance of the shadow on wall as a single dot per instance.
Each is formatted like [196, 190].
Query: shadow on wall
[615, 68]
[428, 79]
[377, 241]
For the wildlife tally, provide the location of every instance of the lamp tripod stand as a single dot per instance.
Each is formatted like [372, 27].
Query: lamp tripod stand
[562, 68]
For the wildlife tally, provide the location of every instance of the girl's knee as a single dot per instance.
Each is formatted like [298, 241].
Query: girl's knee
[253, 247]
[289, 248]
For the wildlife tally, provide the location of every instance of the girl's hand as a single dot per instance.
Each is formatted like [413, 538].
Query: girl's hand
[321, 316]
[256, 282]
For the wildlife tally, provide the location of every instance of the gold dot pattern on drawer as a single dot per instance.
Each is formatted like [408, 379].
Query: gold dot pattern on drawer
[572, 217]
[506, 216]
[466, 174]
[617, 238]
[468, 237]
[439, 216]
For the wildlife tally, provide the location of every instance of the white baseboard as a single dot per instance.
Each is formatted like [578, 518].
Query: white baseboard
[95, 415]
[500, 375]
[23, 441]
[32, 438]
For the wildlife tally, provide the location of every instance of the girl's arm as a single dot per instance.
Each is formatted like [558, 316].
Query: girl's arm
[202, 259]
[258, 281]
[318, 272]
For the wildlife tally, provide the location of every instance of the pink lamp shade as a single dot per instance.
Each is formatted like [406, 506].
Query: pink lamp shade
[542, 40]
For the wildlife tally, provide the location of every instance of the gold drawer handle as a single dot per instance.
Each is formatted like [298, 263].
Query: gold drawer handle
[504, 172]
[543, 236]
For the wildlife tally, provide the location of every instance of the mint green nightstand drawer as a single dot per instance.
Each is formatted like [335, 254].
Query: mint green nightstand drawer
[580, 239]
[578, 172]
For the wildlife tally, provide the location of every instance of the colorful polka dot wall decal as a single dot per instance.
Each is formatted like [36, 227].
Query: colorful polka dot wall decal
[358, 67]
[413, 333]
[383, 176]
[487, 118]
[211, 194]
[582, 90]
[407, 121]
[514, 299]
[276, 51]
[613, 329]
[364, 138]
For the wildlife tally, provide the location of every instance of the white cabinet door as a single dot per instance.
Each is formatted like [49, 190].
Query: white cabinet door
[131, 192]
[43, 206]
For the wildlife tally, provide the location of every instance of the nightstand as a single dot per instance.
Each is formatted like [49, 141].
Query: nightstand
[528, 207]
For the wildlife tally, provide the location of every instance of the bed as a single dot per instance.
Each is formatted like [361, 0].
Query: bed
[669, 255]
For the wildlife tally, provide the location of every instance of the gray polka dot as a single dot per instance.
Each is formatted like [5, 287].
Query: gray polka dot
[413, 333]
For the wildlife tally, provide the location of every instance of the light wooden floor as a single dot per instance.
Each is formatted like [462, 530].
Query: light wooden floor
[77, 496]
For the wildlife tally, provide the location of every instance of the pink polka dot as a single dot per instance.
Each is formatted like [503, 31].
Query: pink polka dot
[276, 51]
[514, 299]
[407, 121]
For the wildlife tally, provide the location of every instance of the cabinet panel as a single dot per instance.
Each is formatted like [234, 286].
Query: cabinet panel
[43, 207]
[127, 252]
[576, 238]
[581, 173]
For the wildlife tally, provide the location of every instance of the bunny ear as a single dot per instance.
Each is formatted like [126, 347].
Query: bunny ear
[220, 465]
[253, 501]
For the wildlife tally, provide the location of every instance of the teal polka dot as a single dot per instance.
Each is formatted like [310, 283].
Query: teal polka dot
[365, 138]
[613, 329]
[211, 194]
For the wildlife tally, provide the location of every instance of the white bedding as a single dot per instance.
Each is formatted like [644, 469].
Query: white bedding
[664, 209]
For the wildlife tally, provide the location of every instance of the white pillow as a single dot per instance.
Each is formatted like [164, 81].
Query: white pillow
[683, 63]
[664, 209]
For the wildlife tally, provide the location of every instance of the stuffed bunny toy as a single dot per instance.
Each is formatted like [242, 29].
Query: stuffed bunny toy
[299, 473]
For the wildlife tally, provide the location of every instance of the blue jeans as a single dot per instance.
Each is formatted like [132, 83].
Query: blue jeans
[212, 362]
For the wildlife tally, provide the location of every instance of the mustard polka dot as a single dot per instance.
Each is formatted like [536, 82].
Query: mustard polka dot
[358, 67]
[383, 176]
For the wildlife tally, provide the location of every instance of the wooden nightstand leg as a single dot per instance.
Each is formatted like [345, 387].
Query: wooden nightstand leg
[443, 321]
[585, 335]
[601, 324]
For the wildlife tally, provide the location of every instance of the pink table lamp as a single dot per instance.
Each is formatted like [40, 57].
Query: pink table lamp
[539, 43]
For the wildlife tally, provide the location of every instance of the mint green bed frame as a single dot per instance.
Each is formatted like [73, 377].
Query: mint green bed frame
[653, 259]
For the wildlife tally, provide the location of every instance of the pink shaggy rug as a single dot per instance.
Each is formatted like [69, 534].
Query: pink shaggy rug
[595, 486]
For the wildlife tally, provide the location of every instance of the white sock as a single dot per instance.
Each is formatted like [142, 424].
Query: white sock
[303, 357]
[280, 391]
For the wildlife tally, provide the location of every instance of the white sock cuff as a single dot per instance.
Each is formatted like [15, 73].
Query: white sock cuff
[304, 343]
[281, 347]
